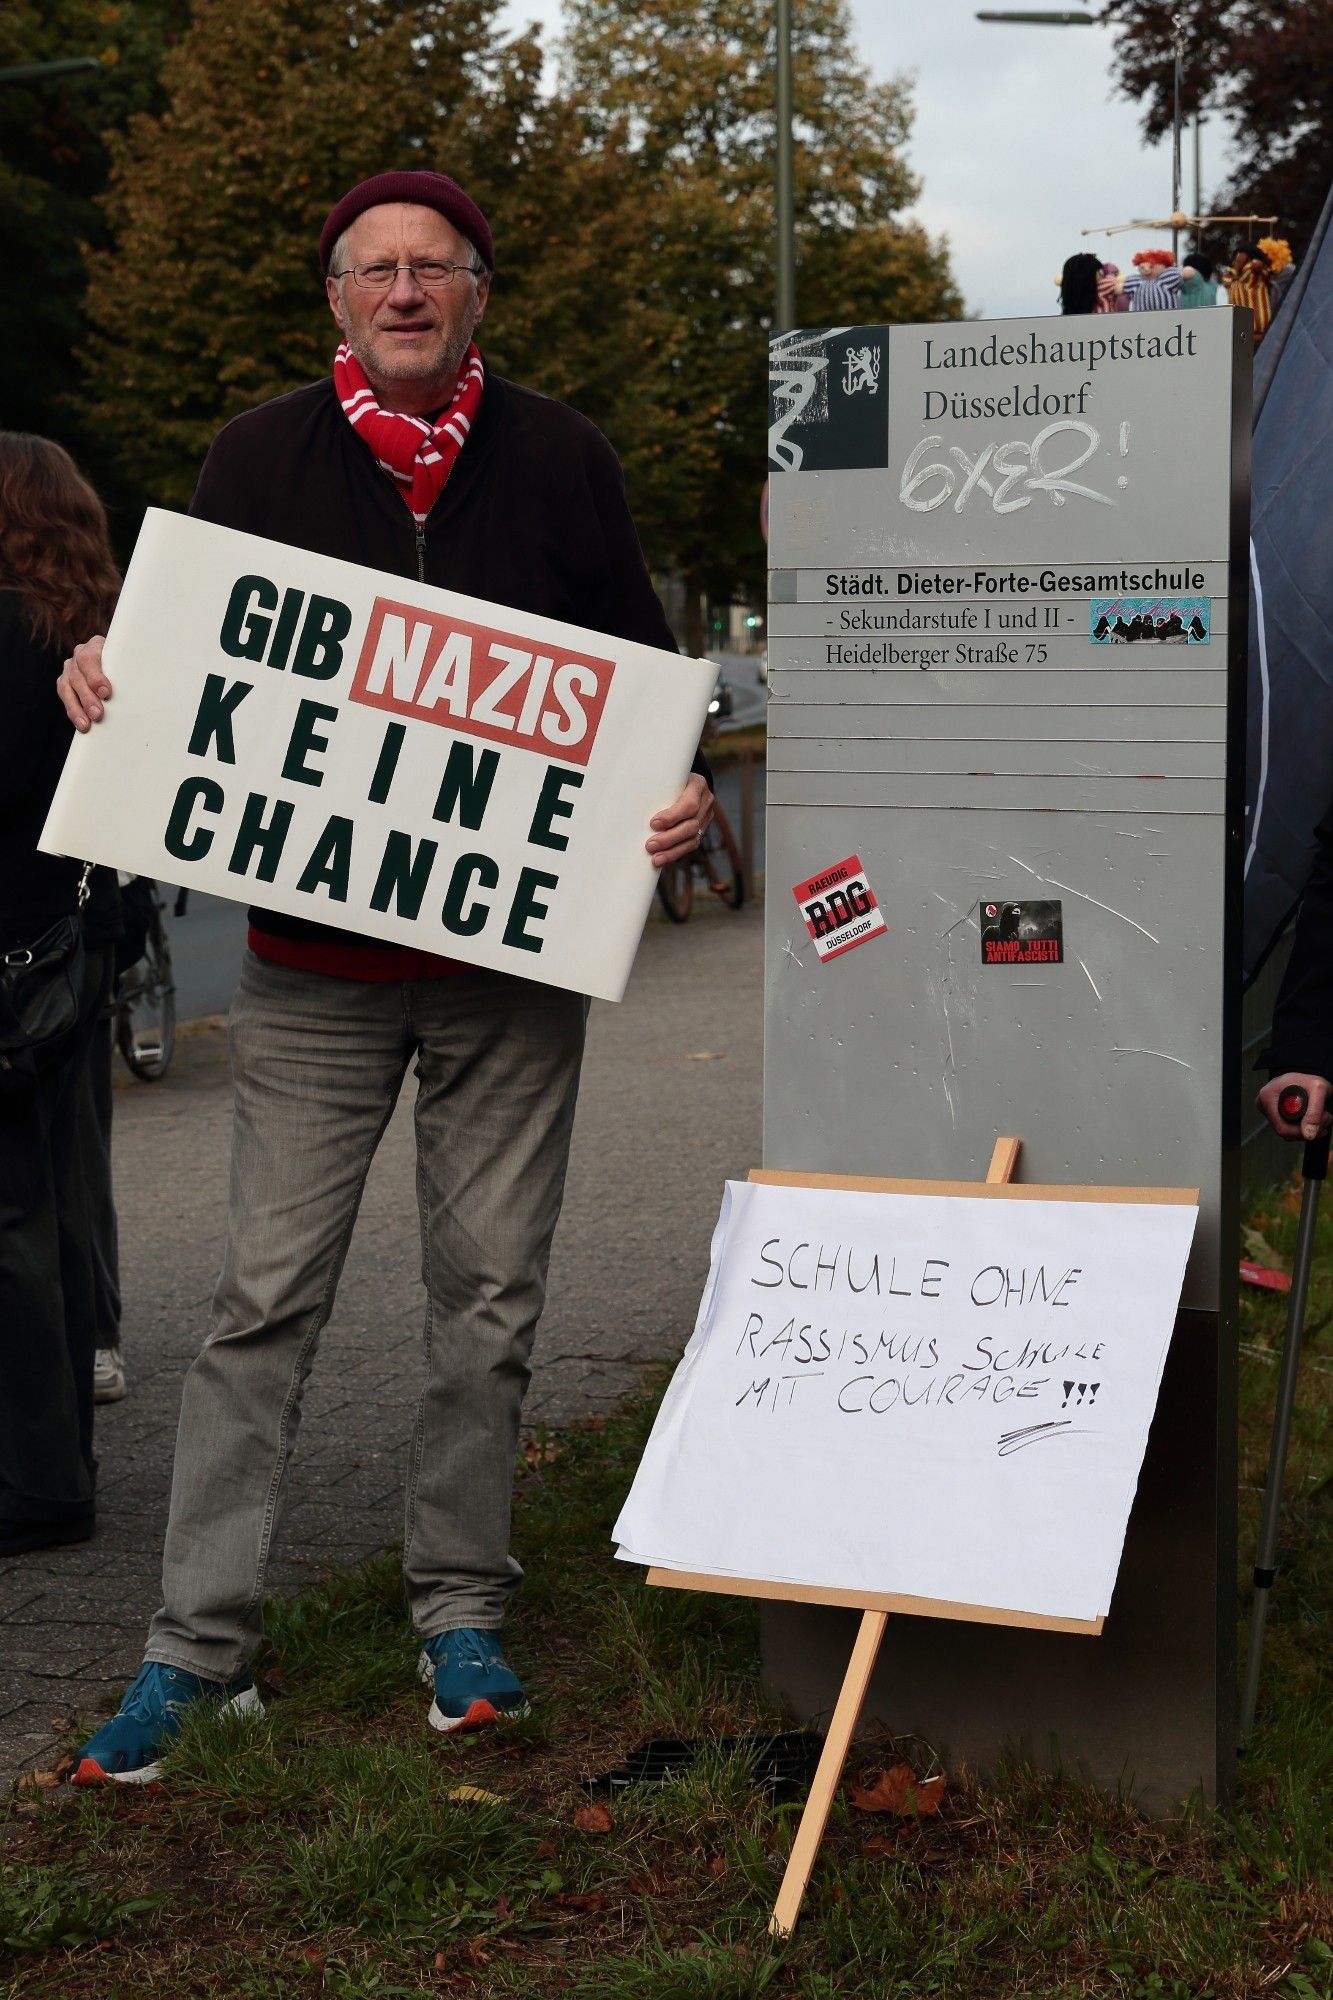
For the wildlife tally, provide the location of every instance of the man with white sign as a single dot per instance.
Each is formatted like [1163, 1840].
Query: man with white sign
[414, 460]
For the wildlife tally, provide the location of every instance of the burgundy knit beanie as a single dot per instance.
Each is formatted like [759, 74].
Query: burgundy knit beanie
[435, 191]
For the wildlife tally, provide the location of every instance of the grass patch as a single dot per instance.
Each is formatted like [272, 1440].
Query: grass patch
[338, 1847]
[53, 1907]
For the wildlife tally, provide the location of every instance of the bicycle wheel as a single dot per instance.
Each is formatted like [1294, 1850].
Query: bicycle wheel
[721, 859]
[675, 890]
[146, 1011]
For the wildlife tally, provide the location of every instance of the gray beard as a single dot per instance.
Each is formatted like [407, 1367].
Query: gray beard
[444, 371]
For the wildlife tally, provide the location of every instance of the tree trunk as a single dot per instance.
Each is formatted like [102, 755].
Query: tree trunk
[694, 617]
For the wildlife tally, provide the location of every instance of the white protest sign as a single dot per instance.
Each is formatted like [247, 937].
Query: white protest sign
[934, 1396]
[382, 756]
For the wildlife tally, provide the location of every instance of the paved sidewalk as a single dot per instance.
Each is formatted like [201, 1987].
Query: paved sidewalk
[670, 1107]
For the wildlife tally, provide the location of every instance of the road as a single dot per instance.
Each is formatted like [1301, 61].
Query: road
[749, 694]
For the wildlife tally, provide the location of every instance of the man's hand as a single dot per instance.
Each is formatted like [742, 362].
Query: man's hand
[677, 831]
[1316, 1119]
[82, 685]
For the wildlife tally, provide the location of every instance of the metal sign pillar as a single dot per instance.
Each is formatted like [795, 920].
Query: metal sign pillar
[1006, 642]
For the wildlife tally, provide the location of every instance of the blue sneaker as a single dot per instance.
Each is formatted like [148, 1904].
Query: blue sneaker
[474, 1683]
[128, 1748]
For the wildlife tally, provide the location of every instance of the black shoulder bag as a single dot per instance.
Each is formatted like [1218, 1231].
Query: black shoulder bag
[40, 985]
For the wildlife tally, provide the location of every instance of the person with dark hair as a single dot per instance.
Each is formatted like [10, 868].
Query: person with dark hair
[57, 579]
[411, 457]
[1078, 283]
[1198, 287]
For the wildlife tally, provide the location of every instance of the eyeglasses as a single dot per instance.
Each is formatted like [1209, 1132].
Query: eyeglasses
[430, 275]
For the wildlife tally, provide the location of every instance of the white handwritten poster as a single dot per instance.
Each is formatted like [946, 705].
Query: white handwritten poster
[375, 754]
[931, 1396]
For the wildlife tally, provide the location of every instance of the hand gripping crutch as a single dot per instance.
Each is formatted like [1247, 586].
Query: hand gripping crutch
[1314, 1167]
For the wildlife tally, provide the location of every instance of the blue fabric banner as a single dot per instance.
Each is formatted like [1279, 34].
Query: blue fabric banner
[1290, 730]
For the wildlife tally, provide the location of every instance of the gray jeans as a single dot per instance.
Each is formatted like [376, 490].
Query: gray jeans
[317, 1065]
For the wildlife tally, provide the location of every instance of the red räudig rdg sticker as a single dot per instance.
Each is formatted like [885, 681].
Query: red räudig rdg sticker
[839, 908]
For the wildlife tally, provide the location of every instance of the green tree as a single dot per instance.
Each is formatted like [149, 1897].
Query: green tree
[632, 211]
[212, 300]
[53, 165]
[677, 95]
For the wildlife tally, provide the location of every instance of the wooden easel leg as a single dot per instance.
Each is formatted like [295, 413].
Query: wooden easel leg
[837, 1742]
[810, 1832]
[847, 1713]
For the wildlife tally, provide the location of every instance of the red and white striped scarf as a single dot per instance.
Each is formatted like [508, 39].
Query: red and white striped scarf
[418, 455]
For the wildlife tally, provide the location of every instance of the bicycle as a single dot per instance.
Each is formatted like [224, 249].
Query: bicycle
[717, 859]
[144, 1001]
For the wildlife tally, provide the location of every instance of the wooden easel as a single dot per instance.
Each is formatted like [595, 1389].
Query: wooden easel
[875, 1608]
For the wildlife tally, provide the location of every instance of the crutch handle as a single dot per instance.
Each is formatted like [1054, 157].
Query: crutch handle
[1292, 1106]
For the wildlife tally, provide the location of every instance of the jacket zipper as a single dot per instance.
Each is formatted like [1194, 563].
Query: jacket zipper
[421, 551]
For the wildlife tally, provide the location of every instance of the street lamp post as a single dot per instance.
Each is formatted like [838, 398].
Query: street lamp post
[1064, 19]
[784, 180]
[1177, 127]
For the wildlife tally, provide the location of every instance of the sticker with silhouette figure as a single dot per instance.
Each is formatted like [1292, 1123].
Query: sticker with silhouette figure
[1155, 621]
[1026, 933]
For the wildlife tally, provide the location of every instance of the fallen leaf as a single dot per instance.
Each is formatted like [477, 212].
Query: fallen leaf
[586, 1905]
[477, 1952]
[312, 1954]
[472, 1795]
[63, 1769]
[717, 1866]
[899, 1790]
[60, 1723]
[37, 1781]
[1260, 1250]
[502, 1906]
[441, 1962]
[542, 1451]
[651, 1884]
[593, 1819]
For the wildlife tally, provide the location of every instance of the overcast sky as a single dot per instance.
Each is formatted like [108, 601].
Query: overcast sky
[1019, 143]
